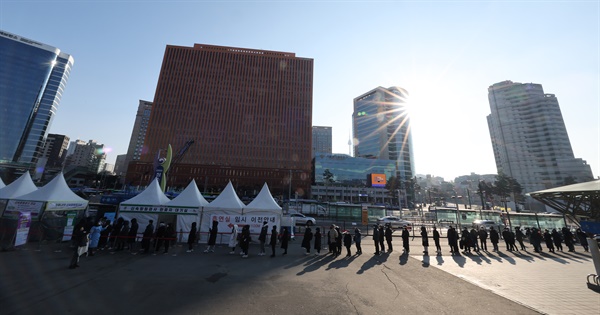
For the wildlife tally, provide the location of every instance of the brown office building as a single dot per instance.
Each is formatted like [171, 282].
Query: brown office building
[248, 113]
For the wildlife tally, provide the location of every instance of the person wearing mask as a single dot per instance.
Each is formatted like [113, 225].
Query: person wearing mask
[192, 237]
[285, 237]
[519, 235]
[80, 240]
[436, 240]
[357, 240]
[307, 239]
[376, 239]
[405, 239]
[233, 238]
[483, 235]
[212, 237]
[494, 238]
[317, 241]
[273, 241]
[381, 239]
[347, 243]
[424, 240]
[245, 240]
[132, 236]
[388, 237]
[262, 238]
[147, 236]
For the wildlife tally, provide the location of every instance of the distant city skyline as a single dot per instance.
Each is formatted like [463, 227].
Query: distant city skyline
[445, 54]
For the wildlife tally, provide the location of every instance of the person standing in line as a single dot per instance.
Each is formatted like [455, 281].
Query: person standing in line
[147, 236]
[169, 236]
[262, 238]
[114, 235]
[338, 240]
[80, 239]
[192, 237]
[548, 240]
[388, 237]
[273, 241]
[511, 240]
[582, 239]
[330, 239]
[473, 239]
[160, 236]
[436, 240]
[483, 235]
[465, 238]
[212, 237]
[285, 237]
[307, 239]
[233, 238]
[122, 237]
[347, 243]
[376, 239]
[95, 237]
[107, 229]
[506, 237]
[557, 240]
[535, 239]
[494, 238]
[425, 241]
[357, 240]
[132, 236]
[245, 241]
[381, 239]
[519, 236]
[452, 240]
[405, 239]
[568, 237]
[317, 241]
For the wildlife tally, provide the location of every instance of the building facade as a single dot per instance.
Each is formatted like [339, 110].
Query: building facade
[138, 134]
[90, 156]
[32, 81]
[529, 137]
[249, 113]
[321, 140]
[381, 128]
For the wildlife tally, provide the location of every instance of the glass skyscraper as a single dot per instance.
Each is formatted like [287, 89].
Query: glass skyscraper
[32, 79]
[381, 128]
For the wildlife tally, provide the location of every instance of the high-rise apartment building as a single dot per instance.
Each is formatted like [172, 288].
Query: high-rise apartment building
[136, 142]
[381, 128]
[89, 155]
[249, 113]
[321, 140]
[55, 150]
[32, 79]
[529, 137]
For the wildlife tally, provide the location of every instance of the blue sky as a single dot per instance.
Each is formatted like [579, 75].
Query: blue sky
[445, 53]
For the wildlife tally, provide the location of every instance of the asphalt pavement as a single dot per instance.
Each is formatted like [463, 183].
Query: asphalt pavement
[35, 279]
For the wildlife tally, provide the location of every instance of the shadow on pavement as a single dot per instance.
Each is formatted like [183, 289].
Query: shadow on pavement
[459, 260]
[369, 264]
[403, 258]
[425, 262]
[507, 258]
[439, 259]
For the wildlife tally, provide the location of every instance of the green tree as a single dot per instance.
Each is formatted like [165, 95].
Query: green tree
[328, 179]
[505, 186]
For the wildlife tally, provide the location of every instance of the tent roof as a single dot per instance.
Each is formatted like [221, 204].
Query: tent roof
[152, 196]
[23, 185]
[2, 184]
[590, 186]
[57, 189]
[264, 200]
[189, 197]
[228, 199]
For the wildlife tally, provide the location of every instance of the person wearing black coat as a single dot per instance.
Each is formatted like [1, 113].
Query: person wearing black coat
[160, 236]
[557, 240]
[80, 240]
[506, 237]
[483, 235]
[132, 235]
[114, 235]
[147, 236]
[192, 238]
[494, 238]
[424, 240]
[453, 240]
[519, 235]
[388, 238]
[548, 240]
[568, 237]
[245, 240]
[376, 239]
[347, 243]
[308, 235]
[262, 238]
[381, 239]
[212, 237]
[273, 241]
[357, 240]
[436, 240]
[536, 240]
[582, 239]
[318, 241]
[405, 239]
[169, 236]
[285, 237]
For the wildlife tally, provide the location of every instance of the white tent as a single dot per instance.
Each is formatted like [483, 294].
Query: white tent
[144, 207]
[2, 185]
[54, 196]
[263, 209]
[225, 209]
[188, 207]
[23, 185]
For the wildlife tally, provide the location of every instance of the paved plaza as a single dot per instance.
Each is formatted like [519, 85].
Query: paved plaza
[35, 279]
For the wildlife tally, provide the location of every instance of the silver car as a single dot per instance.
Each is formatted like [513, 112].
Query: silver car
[394, 222]
[301, 219]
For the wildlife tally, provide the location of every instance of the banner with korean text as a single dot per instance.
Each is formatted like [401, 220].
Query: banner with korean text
[23, 224]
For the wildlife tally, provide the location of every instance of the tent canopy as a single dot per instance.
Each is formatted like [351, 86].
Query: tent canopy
[151, 196]
[263, 202]
[189, 197]
[22, 186]
[577, 200]
[227, 200]
[2, 185]
[57, 195]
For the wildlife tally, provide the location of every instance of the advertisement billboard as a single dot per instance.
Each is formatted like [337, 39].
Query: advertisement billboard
[377, 180]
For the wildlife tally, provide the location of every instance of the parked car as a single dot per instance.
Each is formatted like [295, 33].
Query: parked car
[394, 222]
[486, 224]
[301, 219]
